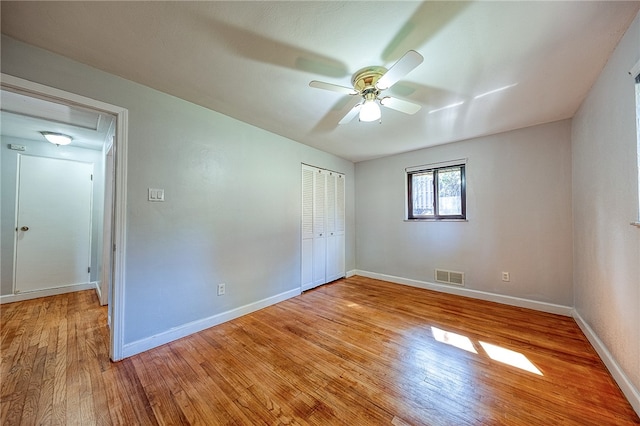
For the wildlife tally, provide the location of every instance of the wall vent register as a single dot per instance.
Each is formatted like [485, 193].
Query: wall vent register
[449, 277]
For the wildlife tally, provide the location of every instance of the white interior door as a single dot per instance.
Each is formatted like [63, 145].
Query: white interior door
[53, 226]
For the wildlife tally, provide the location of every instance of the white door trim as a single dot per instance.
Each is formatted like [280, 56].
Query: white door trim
[119, 198]
[103, 287]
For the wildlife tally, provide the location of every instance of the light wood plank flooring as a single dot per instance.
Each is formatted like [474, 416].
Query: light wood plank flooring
[354, 352]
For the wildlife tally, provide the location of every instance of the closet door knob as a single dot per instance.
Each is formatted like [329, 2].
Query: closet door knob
[24, 228]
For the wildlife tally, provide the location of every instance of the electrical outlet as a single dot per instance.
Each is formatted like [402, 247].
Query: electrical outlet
[221, 289]
[505, 277]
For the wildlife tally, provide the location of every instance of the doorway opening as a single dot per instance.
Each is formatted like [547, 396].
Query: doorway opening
[107, 253]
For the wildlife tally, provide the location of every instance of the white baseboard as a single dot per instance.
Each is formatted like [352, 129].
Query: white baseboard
[351, 273]
[628, 389]
[179, 332]
[18, 297]
[476, 294]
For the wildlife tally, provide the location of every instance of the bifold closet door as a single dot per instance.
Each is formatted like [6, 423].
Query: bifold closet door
[323, 226]
[314, 241]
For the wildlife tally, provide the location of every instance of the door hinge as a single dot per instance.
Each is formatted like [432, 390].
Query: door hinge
[91, 177]
[89, 270]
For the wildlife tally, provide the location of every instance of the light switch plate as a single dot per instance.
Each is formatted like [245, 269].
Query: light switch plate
[156, 194]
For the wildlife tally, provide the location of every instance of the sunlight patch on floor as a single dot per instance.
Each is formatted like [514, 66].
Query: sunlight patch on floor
[496, 353]
[509, 357]
[453, 339]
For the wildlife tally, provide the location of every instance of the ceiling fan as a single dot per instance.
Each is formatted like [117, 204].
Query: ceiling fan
[369, 82]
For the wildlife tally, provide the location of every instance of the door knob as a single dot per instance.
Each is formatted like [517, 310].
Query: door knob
[24, 228]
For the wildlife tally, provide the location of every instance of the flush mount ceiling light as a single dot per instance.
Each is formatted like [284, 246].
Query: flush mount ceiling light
[57, 138]
[369, 82]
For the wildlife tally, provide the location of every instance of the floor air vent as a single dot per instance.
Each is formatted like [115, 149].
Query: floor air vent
[450, 277]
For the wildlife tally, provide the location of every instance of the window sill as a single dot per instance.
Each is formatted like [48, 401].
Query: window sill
[636, 224]
[436, 220]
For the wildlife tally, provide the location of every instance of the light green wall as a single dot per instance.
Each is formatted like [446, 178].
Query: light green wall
[605, 202]
[518, 216]
[232, 199]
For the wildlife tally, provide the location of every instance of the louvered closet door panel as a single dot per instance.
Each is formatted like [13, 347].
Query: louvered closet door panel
[340, 226]
[319, 203]
[331, 227]
[340, 207]
[319, 227]
[335, 237]
[331, 203]
[307, 203]
[340, 253]
[307, 227]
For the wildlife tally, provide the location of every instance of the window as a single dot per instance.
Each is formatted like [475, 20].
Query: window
[436, 192]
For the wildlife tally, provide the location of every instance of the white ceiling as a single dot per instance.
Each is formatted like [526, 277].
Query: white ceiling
[26, 117]
[253, 60]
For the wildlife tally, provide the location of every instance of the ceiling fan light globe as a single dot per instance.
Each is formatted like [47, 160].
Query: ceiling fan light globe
[370, 111]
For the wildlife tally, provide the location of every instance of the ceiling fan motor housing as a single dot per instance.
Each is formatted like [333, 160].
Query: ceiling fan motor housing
[365, 79]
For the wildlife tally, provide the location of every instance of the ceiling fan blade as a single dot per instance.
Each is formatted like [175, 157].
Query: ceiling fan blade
[351, 114]
[333, 87]
[400, 105]
[404, 66]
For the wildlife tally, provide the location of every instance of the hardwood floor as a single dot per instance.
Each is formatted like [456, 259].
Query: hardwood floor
[355, 352]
